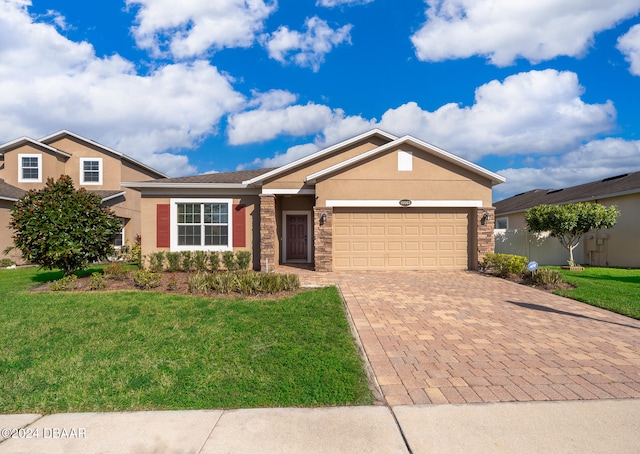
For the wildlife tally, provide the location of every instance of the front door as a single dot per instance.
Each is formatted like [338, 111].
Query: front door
[296, 237]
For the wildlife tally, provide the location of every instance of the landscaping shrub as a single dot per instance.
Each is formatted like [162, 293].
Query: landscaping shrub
[504, 264]
[156, 262]
[65, 284]
[229, 260]
[200, 260]
[214, 261]
[97, 281]
[187, 260]
[243, 258]
[545, 276]
[145, 279]
[173, 260]
[116, 271]
[199, 283]
[6, 262]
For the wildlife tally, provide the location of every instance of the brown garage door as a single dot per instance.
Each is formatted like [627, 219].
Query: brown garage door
[402, 238]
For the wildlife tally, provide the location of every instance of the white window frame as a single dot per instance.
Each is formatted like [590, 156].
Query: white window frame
[20, 168]
[82, 175]
[174, 246]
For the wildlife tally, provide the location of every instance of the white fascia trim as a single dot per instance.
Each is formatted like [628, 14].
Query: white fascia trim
[64, 132]
[289, 191]
[494, 177]
[35, 143]
[114, 196]
[10, 199]
[396, 204]
[321, 153]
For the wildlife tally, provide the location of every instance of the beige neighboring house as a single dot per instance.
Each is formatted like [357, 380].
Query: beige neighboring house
[26, 164]
[373, 202]
[616, 247]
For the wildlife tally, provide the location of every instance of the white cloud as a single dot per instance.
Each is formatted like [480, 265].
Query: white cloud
[333, 3]
[306, 49]
[629, 45]
[104, 99]
[265, 124]
[504, 30]
[273, 99]
[593, 161]
[536, 112]
[532, 112]
[193, 28]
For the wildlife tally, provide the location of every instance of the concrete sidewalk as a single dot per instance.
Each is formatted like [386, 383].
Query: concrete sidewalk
[596, 426]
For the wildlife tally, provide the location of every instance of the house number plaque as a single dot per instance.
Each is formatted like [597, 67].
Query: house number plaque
[405, 202]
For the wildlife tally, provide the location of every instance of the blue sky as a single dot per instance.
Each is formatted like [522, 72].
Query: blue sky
[543, 93]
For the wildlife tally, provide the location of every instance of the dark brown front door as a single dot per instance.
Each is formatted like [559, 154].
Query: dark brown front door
[297, 237]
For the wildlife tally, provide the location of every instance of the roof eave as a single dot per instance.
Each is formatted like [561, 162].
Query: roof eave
[145, 185]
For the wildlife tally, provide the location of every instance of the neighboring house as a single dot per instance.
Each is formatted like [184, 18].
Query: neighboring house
[375, 201]
[618, 246]
[27, 164]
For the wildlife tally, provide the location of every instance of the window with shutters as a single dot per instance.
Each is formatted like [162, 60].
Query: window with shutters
[201, 224]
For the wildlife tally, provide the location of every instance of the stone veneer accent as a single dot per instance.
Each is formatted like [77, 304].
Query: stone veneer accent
[486, 238]
[268, 232]
[323, 239]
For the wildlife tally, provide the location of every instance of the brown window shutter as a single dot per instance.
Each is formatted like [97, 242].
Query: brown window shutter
[239, 225]
[163, 225]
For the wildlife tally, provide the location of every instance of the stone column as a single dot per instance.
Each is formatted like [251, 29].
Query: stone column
[323, 238]
[268, 232]
[485, 226]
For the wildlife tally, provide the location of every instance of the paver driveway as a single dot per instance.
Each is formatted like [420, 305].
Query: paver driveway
[456, 337]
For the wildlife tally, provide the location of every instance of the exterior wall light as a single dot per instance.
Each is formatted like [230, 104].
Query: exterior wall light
[323, 218]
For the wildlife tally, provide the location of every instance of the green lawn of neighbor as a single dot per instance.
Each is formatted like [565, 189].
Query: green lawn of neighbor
[615, 289]
[137, 350]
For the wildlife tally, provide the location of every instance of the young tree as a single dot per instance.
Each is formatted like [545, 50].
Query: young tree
[61, 227]
[568, 223]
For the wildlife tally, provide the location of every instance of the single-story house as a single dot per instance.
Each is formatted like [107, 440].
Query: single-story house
[375, 201]
[618, 246]
[27, 163]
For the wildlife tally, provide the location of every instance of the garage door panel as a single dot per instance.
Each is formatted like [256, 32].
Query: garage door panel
[413, 238]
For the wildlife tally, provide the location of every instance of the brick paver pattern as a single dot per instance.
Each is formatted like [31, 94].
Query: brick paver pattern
[457, 337]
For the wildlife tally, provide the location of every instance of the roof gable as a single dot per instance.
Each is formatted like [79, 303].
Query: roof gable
[413, 142]
[52, 138]
[9, 192]
[321, 154]
[628, 183]
[9, 146]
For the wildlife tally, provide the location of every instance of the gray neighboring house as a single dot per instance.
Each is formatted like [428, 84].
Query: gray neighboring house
[616, 247]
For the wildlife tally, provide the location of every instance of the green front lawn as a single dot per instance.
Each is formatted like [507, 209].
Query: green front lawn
[72, 352]
[615, 289]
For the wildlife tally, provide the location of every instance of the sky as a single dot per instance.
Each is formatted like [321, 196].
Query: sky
[545, 93]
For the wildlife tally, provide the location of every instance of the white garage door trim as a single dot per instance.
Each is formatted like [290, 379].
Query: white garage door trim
[396, 203]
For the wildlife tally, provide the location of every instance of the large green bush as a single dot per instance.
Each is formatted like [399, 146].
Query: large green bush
[61, 227]
[504, 264]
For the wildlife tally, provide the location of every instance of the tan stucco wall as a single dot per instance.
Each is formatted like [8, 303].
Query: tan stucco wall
[52, 165]
[295, 179]
[5, 233]
[432, 178]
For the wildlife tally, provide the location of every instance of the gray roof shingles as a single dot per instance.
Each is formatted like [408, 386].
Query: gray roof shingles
[619, 184]
[8, 191]
[213, 178]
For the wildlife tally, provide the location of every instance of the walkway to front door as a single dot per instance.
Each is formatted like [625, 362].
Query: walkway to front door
[456, 337]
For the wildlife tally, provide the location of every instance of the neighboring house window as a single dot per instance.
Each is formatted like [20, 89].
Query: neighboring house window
[30, 168]
[90, 170]
[502, 223]
[201, 224]
[117, 239]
